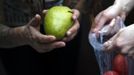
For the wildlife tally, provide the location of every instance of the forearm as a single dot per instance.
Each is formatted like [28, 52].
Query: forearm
[126, 5]
[11, 37]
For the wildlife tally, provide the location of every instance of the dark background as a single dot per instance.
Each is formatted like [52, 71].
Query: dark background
[75, 59]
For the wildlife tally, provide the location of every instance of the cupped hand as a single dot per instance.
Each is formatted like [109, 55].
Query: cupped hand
[72, 32]
[40, 42]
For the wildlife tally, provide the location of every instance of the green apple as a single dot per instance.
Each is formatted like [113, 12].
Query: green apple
[58, 20]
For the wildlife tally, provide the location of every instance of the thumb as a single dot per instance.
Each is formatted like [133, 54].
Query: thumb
[108, 45]
[44, 12]
[123, 16]
[76, 14]
[35, 22]
[111, 44]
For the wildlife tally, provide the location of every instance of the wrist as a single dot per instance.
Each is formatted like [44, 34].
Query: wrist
[125, 6]
[11, 37]
[19, 35]
[120, 9]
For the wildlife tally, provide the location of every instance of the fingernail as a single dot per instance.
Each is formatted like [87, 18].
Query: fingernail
[44, 11]
[52, 37]
[61, 44]
[112, 22]
[68, 33]
[74, 17]
[37, 15]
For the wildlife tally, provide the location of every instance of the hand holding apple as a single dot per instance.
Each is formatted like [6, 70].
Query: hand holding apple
[61, 22]
[40, 42]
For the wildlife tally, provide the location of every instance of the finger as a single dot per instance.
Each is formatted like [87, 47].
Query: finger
[35, 22]
[108, 45]
[110, 28]
[66, 39]
[73, 29]
[52, 46]
[46, 39]
[112, 23]
[111, 44]
[57, 45]
[118, 21]
[41, 38]
[123, 16]
[97, 18]
[116, 26]
[101, 23]
[76, 14]
[44, 12]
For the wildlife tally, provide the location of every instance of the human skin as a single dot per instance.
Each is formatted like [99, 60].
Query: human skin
[119, 8]
[30, 34]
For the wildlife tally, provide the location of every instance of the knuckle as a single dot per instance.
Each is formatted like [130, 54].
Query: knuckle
[105, 15]
[119, 43]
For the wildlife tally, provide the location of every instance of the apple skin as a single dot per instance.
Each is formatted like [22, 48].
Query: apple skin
[111, 73]
[120, 64]
[58, 20]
